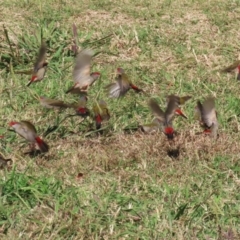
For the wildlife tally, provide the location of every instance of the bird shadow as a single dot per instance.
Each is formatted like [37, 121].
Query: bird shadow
[173, 152]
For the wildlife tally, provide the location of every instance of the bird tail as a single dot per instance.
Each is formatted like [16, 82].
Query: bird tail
[42, 145]
[98, 121]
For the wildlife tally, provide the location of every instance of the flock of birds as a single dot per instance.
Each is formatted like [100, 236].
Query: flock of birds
[83, 79]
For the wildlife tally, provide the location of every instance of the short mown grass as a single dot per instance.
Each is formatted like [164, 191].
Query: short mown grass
[121, 184]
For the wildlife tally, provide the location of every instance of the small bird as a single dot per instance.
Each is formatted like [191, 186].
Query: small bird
[208, 117]
[121, 86]
[165, 118]
[154, 126]
[80, 107]
[52, 103]
[235, 67]
[3, 161]
[27, 130]
[82, 77]
[40, 65]
[101, 113]
[180, 101]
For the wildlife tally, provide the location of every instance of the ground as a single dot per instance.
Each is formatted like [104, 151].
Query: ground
[121, 184]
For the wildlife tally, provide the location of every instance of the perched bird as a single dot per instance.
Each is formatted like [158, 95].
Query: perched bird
[82, 77]
[208, 118]
[3, 161]
[28, 131]
[180, 101]
[52, 103]
[154, 126]
[165, 118]
[122, 85]
[101, 113]
[80, 107]
[40, 65]
[235, 67]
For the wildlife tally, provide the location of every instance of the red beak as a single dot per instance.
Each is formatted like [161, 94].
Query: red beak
[180, 113]
[12, 123]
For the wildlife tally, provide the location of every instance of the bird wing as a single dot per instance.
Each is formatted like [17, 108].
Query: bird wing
[40, 58]
[157, 111]
[81, 70]
[209, 116]
[171, 108]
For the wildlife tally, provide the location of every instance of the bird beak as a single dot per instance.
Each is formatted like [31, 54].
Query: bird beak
[12, 123]
[180, 113]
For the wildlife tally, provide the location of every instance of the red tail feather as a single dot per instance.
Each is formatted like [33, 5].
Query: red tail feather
[42, 145]
[98, 121]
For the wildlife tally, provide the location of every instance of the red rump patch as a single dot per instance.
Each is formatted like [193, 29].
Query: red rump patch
[134, 87]
[39, 140]
[238, 68]
[34, 77]
[12, 123]
[207, 131]
[169, 130]
[82, 110]
[98, 118]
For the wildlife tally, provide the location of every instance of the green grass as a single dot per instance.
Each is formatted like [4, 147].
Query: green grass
[130, 188]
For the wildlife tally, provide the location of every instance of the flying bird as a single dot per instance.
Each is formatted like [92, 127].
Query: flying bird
[27, 130]
[40, 65]
[180, 101]
[208, 117]
[165, 118]
[82, 76]
[122, 85]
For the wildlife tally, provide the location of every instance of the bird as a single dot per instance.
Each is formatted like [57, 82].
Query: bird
[122, 85]
[100, 112]
[40, 65]
[4, 162]
[27, 130]
[80, 106]
[180, 101]
[165, 118]
[235, 67]
[82, 77]
[208, 117]
[152, 127]
[52, 103]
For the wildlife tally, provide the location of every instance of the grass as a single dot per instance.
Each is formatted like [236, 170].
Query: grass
[121, 185]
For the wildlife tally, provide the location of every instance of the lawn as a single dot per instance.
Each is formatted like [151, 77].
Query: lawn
[121, 184]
